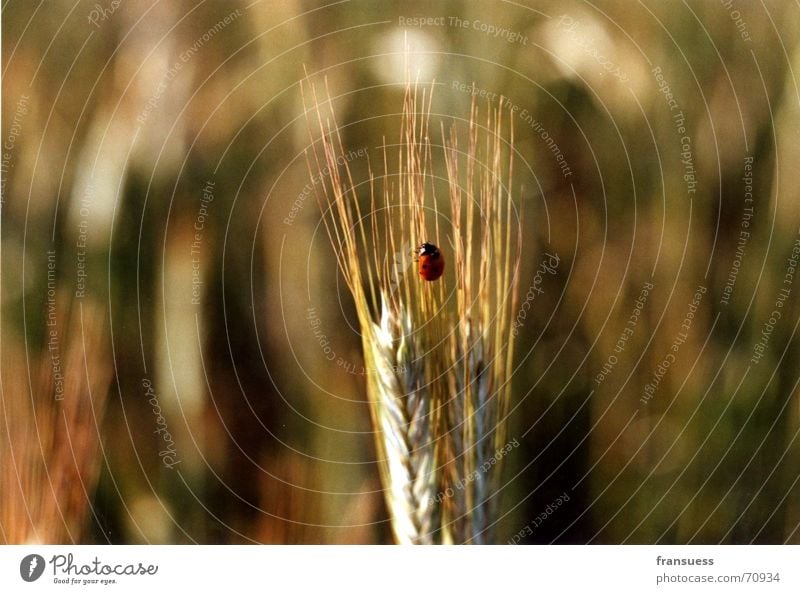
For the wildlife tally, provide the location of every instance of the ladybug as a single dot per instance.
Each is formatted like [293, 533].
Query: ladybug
[430, 262]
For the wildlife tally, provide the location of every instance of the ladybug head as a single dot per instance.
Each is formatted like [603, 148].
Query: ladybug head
[428, 249]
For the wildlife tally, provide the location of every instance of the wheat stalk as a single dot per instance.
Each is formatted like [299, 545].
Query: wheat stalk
[438, 388]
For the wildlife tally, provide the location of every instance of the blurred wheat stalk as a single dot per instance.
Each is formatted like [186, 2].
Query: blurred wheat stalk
[50, 437]
[439, 365]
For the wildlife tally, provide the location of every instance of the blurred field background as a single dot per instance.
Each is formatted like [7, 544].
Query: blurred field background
[179, 358]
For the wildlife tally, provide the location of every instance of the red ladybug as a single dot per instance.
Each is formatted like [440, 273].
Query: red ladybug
[430, 262]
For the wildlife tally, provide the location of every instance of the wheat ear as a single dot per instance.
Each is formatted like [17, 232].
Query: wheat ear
[439, 388]
[481, 345]
[397, 315]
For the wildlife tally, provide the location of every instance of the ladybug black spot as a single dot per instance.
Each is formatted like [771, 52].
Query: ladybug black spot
[428, 249]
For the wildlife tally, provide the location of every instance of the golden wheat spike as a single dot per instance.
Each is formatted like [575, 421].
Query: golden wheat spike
[438, 370]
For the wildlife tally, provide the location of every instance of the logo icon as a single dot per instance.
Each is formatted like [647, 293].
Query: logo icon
[31, 567]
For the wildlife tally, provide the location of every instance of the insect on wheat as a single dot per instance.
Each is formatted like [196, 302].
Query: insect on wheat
[440, 353]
